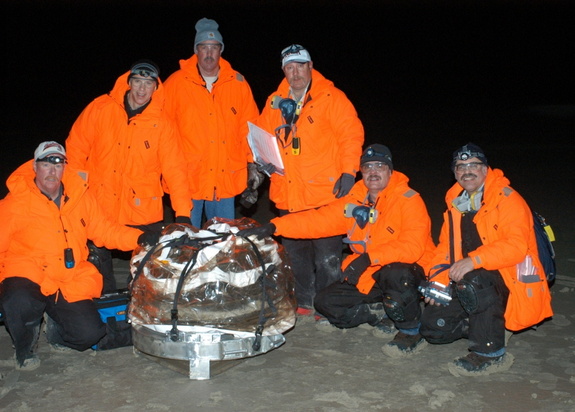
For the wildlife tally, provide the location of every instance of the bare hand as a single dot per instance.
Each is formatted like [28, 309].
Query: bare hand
[460, 269]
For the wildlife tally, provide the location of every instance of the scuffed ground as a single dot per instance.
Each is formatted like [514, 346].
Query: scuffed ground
[319, 368]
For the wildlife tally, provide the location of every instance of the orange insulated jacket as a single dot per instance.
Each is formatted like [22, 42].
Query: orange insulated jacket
[401, 231]
[505, 226]
[331, 138]
[127, 160]
[35, 233]
[213, 128]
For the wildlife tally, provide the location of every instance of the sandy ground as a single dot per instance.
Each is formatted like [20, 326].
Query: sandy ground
[317, 369]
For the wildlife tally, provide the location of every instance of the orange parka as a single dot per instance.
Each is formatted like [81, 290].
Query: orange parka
[401, 231]
[35, 233]
[127, 160]
[505, 226]
[331, 139]
[213, 128]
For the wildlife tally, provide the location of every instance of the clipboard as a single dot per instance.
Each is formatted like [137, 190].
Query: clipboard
[265, 148]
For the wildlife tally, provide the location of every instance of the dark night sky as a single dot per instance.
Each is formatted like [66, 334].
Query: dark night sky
[418, 72]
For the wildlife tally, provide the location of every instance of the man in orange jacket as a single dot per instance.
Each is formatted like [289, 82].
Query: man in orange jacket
[212, 104]
[128, 144]
[320, 138]
[46, 219]
[486, 234]
[389, 232]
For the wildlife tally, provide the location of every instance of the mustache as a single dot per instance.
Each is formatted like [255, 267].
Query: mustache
[466, 175]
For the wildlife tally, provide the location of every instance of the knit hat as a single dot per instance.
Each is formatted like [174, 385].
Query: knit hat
[467, 152]
[207, 29]
[145, 68]
[295, 53]
[377, 153]
[49, 148]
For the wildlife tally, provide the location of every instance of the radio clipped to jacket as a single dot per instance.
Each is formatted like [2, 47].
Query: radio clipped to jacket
[361, 213]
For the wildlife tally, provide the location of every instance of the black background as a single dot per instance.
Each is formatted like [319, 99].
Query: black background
[425, 76]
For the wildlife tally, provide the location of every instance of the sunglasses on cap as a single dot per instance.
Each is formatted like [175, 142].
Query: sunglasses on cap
[293, 49]
[53, 159]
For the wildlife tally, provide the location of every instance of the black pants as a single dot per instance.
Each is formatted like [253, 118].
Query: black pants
[316, 263]
[78, 324]
[346, 307]
[484, 327]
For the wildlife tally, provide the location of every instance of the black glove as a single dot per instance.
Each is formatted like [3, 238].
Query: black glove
[343, 185]
[149, 238]
[183, 219]
[255, 177]
[248, 197]
[268, 168]
[260, 231]
[354, 270]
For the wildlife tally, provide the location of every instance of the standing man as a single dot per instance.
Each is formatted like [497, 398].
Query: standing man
[389, 232]
[486, 235]
[46, 219]
[320, 139]
[127, 143]
[212, 104]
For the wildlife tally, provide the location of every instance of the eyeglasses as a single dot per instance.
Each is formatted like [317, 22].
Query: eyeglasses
[146, 83]
[293, 49]
[377, 166]
[52, 159]
[473, 166]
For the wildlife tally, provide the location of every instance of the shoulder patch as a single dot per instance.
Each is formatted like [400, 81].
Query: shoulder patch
[507, 191]
[410, 193]
[83, 175]
[239, 77]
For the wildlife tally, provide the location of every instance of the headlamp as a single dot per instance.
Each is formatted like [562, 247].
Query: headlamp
[53, 159]
[468, 154]
[370, 152]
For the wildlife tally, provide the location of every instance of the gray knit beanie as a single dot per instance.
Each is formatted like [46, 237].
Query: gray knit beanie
[207, 29]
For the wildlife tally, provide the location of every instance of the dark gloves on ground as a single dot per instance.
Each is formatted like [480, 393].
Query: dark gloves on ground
[343, 185]
[149, 238]
[354, 270]
[183, 219]
[255, 177]
[261, 231]
[268, 168]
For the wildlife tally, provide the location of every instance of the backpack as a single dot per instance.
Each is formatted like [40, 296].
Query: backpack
[545, 236]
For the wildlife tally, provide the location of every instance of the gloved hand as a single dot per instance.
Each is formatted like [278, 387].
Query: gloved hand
[248, 197]
[183, 219]
[354, 270]
[260, 231]
[343, 185]
[255, 178]
[268, 168]
[149, 238]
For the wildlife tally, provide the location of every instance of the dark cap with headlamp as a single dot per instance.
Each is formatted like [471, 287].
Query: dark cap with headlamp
[51, 152]
[468, 151]
[377, 153]
[145, 68]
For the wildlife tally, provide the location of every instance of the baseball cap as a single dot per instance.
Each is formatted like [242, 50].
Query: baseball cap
[295, 53]
[48, 148]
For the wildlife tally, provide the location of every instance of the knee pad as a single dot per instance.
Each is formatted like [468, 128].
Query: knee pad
[475, 298]
[401, 307]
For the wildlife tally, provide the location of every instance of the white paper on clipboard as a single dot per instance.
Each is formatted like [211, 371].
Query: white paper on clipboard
[265, 147]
